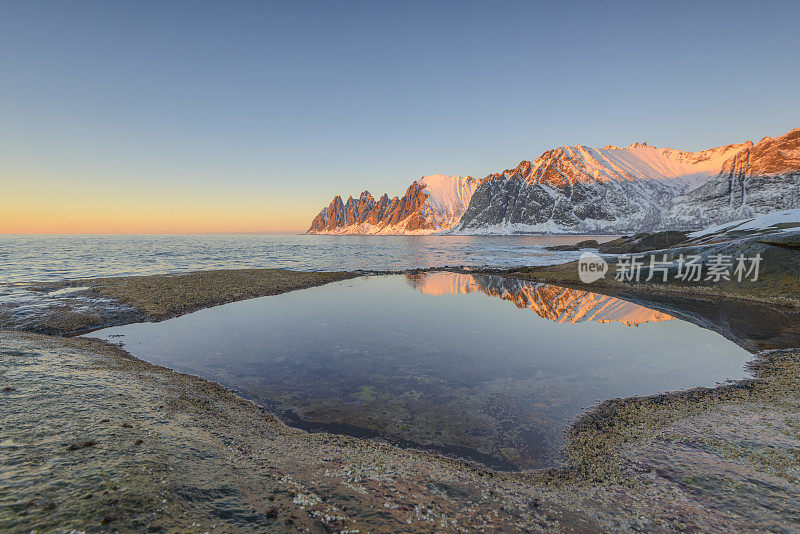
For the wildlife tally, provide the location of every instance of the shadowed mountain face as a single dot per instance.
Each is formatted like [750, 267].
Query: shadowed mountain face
[638, 188]
[760, 178]
[558, 304]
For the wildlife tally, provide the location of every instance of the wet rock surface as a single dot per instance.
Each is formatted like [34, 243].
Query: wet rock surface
[173, 452]
[197, 458]
[777, 283]
[77, 306]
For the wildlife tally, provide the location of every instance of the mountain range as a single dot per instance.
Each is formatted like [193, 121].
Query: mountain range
[585, 190]
[432, 204]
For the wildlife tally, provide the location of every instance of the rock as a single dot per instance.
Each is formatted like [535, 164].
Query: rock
[643, 242]
[588, 243]
[78, 446]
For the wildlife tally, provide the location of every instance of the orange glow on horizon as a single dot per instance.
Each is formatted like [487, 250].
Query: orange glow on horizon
[37, 207]
[36, 222]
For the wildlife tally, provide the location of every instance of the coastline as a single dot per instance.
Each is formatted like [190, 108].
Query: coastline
[161, 296]
[643, 463]
[777, 283]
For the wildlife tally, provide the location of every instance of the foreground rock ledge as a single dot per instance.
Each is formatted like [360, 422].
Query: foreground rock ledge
[96, 440]
[130, 299]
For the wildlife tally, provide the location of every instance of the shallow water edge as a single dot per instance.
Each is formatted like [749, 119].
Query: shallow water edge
[463, 363]
[208, 451]
[690, 459]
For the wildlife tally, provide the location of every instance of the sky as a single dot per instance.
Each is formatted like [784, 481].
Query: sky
[191, 117]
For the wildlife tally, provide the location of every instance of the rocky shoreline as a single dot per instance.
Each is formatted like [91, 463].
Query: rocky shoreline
[778, 282]
[133, 446]
[93, 303]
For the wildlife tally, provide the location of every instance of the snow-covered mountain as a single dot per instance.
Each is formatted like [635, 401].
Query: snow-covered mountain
[758, 180]
[638, 188]
[584, 190]
[558, 304]
[431, 204]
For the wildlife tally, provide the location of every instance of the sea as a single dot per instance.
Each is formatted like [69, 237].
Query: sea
[44, 258]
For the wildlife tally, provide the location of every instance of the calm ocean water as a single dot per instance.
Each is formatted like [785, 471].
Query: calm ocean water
[25, 258]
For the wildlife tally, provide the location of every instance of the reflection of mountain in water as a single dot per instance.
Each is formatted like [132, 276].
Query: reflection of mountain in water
[751, 325]
[555, 303]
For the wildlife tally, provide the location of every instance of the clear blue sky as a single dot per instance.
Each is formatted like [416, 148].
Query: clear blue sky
[132, 111]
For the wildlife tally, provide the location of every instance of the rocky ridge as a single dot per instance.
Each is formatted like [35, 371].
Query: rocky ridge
[432, 204]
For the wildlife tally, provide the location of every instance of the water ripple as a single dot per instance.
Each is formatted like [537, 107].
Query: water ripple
[25, 258]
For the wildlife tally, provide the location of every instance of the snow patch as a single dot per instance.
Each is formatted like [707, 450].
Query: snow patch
[784, 220]
[448, 197]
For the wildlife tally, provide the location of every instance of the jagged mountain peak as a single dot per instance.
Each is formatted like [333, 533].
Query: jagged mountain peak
[433, 203]
[776, 155]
